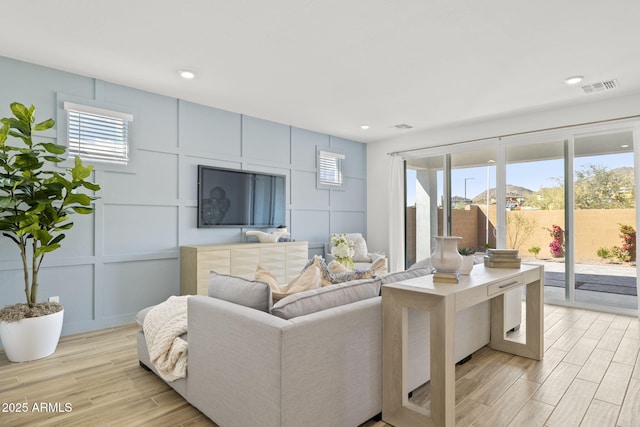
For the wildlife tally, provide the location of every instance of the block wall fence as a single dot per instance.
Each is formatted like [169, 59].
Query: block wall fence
[595, 228]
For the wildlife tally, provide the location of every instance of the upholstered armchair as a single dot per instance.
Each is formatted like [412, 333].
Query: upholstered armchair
[363, 259]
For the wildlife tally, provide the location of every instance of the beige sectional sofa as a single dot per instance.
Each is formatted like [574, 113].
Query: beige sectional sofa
[312, 364]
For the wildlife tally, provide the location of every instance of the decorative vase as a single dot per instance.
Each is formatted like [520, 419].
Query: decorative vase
[446, 258]
[467, 264]
[32, 338]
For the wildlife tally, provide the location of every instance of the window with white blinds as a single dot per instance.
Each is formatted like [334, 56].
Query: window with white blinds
[330, 168]
[98, 135]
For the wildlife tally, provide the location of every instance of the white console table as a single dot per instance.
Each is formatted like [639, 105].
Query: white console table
[443, 300]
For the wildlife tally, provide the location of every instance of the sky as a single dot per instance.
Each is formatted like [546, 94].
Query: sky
[531, 175]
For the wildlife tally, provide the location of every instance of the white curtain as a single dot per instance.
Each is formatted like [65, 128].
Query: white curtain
[396, 214]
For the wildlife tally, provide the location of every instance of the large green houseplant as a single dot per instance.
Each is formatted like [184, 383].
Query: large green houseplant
[36, 201]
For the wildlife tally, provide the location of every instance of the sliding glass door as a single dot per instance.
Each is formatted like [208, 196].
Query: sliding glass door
[535, 210]
[473, 202]
[564, 199]
[467, 181]
[604, 219]
[424, 195]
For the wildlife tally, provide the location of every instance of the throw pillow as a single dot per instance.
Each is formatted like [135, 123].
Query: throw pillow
[344, 275]
[360, 250]
[250, 293]
[380, 266]
[350, 275]
[324, 298]
[311, 277]
[264, 275]
[336, 268]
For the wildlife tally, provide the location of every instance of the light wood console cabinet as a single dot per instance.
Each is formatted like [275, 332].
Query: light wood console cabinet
[285, 260]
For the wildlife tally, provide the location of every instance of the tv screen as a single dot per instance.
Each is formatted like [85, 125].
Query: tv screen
[239, 198]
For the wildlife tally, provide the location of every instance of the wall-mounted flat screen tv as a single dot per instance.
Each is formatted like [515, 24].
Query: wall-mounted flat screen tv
[240, 198]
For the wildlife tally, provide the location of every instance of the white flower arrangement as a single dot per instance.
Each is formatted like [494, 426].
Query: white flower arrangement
[342, 249]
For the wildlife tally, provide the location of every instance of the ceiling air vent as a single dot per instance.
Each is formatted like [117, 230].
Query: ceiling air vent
[403, 126]
[600, 86]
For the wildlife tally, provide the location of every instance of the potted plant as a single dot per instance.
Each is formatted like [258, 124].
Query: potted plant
[36, 201]
[468, 257]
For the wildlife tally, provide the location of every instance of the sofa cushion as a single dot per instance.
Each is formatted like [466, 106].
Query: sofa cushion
[404, 275]
[141, 315]
[336, 295]
[361, 252]
[250, 293]
[423, 263]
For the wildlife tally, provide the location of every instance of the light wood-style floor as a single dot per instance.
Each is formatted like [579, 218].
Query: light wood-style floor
[590, 376]
[99, 375]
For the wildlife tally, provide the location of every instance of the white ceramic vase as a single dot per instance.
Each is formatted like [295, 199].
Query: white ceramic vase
[32, 338]
[446, 258]
[467, 264]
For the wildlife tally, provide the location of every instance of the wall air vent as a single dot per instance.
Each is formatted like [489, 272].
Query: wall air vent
[403, 126]
[600, 86]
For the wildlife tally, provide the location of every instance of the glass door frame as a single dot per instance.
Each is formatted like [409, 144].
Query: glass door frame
[566, 134]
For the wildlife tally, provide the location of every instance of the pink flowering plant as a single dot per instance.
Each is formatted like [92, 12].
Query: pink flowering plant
[557, 244]
[628, 236]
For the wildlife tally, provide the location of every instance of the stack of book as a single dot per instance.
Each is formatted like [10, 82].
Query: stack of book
[502, 258]
[446, 277]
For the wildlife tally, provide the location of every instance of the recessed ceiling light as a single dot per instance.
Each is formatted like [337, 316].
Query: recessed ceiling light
[573, 80]
[365, 127]
[625, 146]
[186, 74]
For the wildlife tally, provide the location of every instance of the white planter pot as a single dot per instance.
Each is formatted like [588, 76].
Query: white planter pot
[467, 264]
[32, 338]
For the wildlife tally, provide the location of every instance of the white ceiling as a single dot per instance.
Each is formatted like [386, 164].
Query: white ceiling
[332, 65]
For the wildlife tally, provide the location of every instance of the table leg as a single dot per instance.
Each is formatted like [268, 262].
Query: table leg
[533, 348]
[443, 373]
[535, 319]
[392, 370]
[396, 410]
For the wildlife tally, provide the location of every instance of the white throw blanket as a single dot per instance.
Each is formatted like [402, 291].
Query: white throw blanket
[162, 327]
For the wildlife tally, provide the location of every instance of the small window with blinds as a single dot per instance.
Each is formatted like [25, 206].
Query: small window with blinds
[330, 169]
[97, 135]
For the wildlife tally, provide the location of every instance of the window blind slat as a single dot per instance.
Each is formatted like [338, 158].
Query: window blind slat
[98, 137]
[330, 165]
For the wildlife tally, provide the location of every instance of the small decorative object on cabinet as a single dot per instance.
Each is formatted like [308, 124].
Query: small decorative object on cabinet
[446, 258]
[267, 237]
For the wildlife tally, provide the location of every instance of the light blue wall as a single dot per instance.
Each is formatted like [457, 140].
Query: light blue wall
[126, 255]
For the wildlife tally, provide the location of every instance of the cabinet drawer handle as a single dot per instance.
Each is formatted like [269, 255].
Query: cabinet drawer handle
[506, 285]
